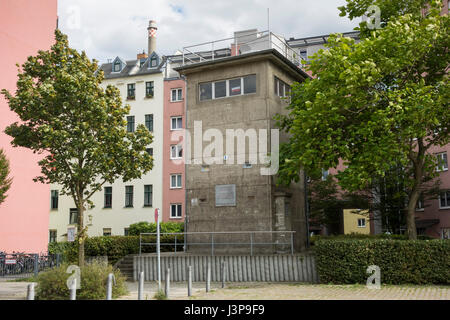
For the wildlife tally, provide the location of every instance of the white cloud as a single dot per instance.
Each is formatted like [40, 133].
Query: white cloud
[109, 28]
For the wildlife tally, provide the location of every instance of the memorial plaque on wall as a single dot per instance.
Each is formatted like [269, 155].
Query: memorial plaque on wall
[226, 195]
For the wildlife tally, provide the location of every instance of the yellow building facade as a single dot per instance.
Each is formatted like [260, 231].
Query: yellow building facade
[356, 221]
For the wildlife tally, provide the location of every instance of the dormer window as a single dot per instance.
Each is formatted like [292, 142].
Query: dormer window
[117, 66]
[153, 62]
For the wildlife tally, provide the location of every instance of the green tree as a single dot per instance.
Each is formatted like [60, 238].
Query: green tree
[5, 181]
[78, 126]
[377, 104]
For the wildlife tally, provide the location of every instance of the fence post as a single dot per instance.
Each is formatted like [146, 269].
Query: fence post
[73, 290]
[189, 281]
[208, 277]
[140, 243]
[109, 285]
[141, 285]
[175, 243]
[223, 274]
[212, 244]
[30, 291]
[251, 244]
[36, 264]
[292, 243]
[167, 284]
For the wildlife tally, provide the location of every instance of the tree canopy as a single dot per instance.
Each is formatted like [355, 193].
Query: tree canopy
[78, 126]
[374, 105]
[5, 180]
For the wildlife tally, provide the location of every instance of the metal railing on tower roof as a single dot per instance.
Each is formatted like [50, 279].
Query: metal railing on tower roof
[238, 45]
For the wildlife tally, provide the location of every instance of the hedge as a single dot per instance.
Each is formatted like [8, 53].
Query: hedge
[147, 227]
[360, 236]
[115, 247]
[400, 262]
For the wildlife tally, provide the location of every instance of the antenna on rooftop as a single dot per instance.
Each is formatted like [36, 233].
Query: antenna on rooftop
[268, 17]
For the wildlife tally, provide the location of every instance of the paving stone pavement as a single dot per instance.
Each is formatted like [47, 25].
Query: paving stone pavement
[264, 291]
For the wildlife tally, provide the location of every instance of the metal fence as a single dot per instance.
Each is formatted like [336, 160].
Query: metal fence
[24, 265]
[248, 242]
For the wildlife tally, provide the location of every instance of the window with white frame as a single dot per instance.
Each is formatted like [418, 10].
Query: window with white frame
[176, 152]
[361, 223]
[227, 88]
[281, 88]
[107, 232]
[444, 199]
[176, 95]
[442, 162]
[175, 181]
[176, 211]
[176, 123]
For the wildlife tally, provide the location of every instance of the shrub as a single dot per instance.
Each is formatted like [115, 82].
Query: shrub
[52, 284]
[114, 247]
[400, 262]
[147, 227]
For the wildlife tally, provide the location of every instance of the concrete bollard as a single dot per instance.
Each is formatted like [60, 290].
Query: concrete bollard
[109, 285]
[189, 281]
[30, 291]
[141, 286]
[208, 277]
[73, 290]
[167, 283]
[223, 274]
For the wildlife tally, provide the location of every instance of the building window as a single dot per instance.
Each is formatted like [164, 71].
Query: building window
[149, 151]
[131, 91]
[128, 196]
[420, 204]
[176, 152]
[126, 231]
[250, 84]
[149, 89]
[445, 235]
[153, 61]
[149, 122]
[52, 236]
[444, 202]
[442, 163]
[228, 88]
[108, 197]
[148, 195]
[177, 95]
[54, 199]
[176, 211]
[282, 89]
[117, 66]
[176, 123]
[106, 232]
[73, 216]
[247, 165]
[175, 181]
[325, 174]
[235, 87]
[361, 223]
[304, 55]
[130, 124]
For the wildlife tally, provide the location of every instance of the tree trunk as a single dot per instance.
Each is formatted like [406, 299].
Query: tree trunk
[411, 215]
[80, 235]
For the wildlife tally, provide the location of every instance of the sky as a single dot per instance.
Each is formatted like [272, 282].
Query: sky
[109, 28]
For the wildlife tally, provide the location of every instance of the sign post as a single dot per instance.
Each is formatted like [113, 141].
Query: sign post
[158, 248]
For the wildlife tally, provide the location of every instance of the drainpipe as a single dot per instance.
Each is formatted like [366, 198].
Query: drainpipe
[185, 165]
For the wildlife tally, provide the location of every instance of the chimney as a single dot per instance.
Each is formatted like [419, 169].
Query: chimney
[151, 36]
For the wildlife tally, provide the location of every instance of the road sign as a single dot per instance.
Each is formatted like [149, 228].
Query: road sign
[10, 261]
[156, 215]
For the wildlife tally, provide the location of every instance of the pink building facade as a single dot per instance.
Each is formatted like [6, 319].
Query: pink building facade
[174, 195]
[25, 27]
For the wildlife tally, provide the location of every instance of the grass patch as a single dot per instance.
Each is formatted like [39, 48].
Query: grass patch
[160, 295]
